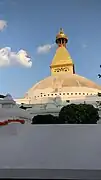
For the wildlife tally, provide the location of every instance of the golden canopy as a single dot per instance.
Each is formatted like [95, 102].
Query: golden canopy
[62, 35]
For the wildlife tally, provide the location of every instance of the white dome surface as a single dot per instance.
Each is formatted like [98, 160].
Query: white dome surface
[62, 82]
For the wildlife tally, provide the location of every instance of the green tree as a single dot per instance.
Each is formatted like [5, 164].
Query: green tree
[45, 119]
[79, 114]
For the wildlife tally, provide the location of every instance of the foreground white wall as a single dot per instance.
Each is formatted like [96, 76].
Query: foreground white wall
[50, 146]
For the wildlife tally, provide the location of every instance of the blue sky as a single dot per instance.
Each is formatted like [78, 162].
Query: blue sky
[32, 23]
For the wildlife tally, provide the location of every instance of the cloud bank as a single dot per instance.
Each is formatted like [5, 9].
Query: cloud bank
[45, 48]
[10, 58]
[3, 24]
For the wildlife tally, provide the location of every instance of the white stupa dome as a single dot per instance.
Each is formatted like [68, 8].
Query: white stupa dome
[63, 83]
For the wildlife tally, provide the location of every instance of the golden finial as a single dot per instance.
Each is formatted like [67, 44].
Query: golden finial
[61, 35]
[61, 31]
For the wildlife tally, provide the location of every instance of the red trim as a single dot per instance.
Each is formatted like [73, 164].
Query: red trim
[16, 120]
[5, 122]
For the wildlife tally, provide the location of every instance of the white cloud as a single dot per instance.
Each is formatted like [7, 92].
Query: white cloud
[10, 58]
[3, 24]
[45, 48]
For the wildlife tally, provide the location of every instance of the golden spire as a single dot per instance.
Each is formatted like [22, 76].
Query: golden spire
[62, 61]
[61, 37]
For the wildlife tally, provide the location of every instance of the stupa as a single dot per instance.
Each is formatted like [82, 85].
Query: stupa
[63, 85]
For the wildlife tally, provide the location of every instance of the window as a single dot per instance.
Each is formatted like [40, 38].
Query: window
[55, 94]
[99, 94]
[44, 95]
[75, 93]
[48, 94]
[87, 93]
[67, 101]
[83, 93]
[71, 93]
[60, 93]
[41, 95]
[63, 93]
[52, 94]
[67, 93]
[79, 93]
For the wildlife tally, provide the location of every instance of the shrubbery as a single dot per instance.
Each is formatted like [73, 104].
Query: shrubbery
[79, 114]
[45, 119]
[70, 114]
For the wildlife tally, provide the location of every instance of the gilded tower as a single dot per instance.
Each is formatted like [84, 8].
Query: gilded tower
[62, 62]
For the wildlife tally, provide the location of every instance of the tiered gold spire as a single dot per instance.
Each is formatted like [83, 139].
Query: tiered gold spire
[62, 62]
[61, 38]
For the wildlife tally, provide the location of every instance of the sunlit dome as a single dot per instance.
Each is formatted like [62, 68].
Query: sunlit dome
[63, 82]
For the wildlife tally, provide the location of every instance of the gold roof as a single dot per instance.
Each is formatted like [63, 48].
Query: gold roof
[61, 35]
[62, 57]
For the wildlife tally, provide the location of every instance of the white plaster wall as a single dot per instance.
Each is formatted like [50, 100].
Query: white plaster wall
[35, 94]
[43, 100]
[51, 146]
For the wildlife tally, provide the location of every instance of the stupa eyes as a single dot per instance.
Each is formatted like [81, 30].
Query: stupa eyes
[61, 69]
